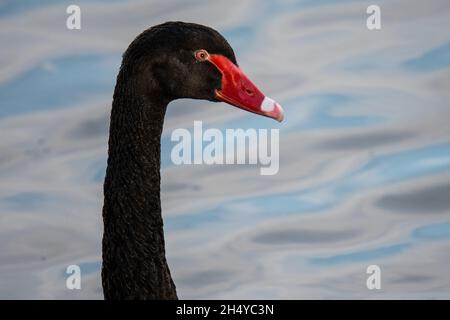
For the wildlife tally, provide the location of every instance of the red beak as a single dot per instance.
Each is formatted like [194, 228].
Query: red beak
[239, 91]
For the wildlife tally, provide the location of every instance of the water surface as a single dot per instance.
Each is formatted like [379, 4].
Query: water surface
[364, 151]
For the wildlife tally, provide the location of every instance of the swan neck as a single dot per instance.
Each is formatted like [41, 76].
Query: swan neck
[134, 262]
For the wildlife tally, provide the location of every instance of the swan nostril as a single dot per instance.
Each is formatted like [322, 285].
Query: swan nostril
[249, 92]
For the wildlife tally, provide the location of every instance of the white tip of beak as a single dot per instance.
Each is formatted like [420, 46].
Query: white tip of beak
[268, 104]
[272, 109]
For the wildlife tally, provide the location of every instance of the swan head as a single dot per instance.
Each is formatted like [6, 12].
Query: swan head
[187, 60]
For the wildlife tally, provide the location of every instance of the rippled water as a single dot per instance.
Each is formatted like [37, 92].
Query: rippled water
[364, 151]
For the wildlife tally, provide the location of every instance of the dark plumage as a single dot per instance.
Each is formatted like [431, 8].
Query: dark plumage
[162, 64]
[157, 68]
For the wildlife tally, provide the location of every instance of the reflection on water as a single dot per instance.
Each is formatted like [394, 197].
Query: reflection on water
[364, 155]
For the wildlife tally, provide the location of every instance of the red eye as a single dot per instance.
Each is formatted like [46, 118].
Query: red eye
[201, 55]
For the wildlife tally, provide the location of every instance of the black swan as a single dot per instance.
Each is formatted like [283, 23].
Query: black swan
[166, 62]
